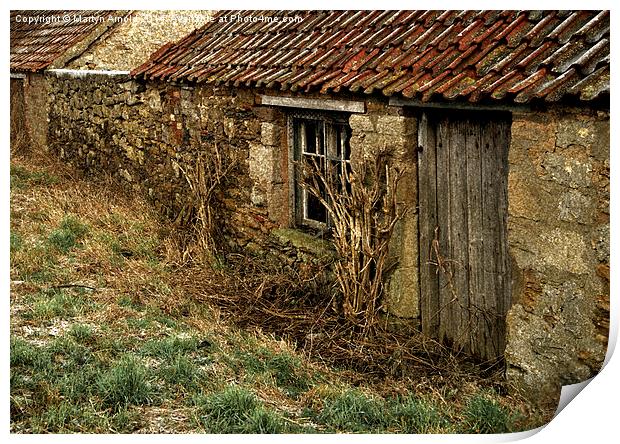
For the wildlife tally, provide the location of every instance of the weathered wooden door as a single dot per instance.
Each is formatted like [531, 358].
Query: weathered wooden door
[464, 264]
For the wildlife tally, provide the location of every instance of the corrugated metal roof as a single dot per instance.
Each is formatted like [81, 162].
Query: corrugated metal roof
[515, 56]
[38, 38]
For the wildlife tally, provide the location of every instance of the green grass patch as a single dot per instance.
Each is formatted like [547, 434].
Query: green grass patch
[354, 411]
[237, 410]
[22, 353]
[68, 417]
[16, 242]
[485, 415]
[22, 177]
[40, 374]
[170, 347]
[286, 370]
[112, 345]
[140, 323]
[127, 382]
[79, 384]
[65, 417]
[63, 386]
[68, 235]
[413, 415]
[181, 372]
[70, 354]
[59, 303]
[81, 332]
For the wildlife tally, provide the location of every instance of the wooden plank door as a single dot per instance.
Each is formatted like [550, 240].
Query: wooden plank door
[464, 269]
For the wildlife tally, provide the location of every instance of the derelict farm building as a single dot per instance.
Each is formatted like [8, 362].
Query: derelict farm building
[500, 120]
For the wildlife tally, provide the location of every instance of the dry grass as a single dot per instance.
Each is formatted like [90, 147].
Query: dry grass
[100, 302]
[258, 297]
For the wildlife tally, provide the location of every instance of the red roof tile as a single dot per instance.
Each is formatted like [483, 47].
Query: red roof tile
[38, 38]
[510, 56]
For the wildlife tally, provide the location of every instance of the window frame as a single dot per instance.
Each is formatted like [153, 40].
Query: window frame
[298, 196]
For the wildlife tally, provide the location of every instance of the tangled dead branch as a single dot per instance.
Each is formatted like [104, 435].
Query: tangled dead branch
[260, 295]
[205, 178]
[363, 209]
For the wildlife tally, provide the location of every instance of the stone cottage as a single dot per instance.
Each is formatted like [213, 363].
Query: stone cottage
[501, 119]
[45, 43]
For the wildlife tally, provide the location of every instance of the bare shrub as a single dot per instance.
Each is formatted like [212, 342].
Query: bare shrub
[363, 209]
[205, 178]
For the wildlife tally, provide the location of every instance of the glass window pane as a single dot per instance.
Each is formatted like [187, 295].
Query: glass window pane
[320, 138]
[315, 209]
[345, 135]
[320, 144]
[337, 142]
[310, 137]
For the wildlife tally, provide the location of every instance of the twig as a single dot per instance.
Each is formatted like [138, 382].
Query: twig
[88, 287]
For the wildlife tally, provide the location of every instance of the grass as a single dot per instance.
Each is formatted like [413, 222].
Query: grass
[16, 242]
[68, 235]
[105, 340]
[354, 411]
[58, 303]
[414, 415]
[283, 369]
[181, 372]
[23, 176]
[483, 414]
[169, 348]
[126, 382]
[81, 332]
[237, 410]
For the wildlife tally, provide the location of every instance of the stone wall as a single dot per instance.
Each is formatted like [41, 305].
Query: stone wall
[148, 136]
[384, 126]
[559, 239]
[135, 37]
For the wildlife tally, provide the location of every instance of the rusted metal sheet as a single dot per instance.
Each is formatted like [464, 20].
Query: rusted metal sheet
[467, 56]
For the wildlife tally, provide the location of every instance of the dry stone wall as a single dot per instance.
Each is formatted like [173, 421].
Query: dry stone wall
[559, 240]
[148, 136]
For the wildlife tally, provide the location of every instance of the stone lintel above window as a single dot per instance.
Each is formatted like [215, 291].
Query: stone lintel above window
[348, 106]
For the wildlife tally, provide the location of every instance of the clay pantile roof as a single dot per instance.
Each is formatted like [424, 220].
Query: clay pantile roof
[509, 56]
[38, 38]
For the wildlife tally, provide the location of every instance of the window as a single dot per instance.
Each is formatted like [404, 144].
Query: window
[322, 142]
